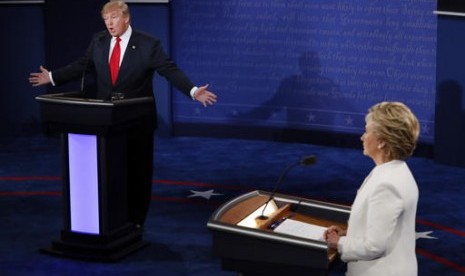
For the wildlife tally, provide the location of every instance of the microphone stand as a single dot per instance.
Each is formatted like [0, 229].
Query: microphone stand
[281, 177]
[306, 161]
[84, 72]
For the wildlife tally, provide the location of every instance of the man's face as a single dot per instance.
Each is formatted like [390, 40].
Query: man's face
[116, 22]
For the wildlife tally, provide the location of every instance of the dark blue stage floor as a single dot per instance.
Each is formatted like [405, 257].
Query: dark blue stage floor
[31, 204]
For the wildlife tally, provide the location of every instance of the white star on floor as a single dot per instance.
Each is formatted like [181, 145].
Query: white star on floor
[424, 235]
[204, 194]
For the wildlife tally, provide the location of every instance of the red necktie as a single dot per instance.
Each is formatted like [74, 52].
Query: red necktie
[114, 61]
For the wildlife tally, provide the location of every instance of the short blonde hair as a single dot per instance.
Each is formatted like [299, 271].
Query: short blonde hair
[116, 5]
[396, 126]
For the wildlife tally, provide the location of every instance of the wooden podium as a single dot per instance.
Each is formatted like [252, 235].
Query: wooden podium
[261, 251]
[94, 133]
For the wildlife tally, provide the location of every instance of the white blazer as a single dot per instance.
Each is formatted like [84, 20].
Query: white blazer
[380, 236]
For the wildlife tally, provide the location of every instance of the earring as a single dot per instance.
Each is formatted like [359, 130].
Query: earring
[380, 146]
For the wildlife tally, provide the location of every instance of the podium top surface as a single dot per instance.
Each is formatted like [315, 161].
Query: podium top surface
[247, 203]
[76, 98]
[71, 112]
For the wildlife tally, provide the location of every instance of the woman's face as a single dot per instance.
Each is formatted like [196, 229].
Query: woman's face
[371, 142]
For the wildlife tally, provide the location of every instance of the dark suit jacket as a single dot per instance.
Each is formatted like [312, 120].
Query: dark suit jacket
[144, 55]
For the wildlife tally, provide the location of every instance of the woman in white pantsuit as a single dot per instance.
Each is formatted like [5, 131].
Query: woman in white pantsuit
[380, 236]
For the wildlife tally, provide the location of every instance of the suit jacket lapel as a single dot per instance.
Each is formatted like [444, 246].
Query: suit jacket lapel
[128, 58]
[103, 54]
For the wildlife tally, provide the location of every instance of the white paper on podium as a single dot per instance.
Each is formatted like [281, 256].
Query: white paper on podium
[301, 229]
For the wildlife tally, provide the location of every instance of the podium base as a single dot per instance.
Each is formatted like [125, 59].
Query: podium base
[99, 248]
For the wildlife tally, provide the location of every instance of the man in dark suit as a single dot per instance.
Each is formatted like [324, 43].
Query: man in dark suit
[124, 62]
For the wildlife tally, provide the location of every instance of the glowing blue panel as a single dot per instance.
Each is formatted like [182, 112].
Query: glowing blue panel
[83, 182]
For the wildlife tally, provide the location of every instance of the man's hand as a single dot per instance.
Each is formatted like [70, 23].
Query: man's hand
[204, 96]
[41, 78]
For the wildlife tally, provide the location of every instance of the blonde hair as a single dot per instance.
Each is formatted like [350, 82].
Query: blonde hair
[116, 5]
[396, 126]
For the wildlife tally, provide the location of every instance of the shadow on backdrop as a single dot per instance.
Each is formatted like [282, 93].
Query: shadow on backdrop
[307, 99]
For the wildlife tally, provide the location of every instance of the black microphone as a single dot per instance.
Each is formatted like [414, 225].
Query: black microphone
[83, 77]
[306, 161]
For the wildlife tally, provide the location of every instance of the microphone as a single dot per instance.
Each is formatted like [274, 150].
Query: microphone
[306, 161]
[84, 72]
